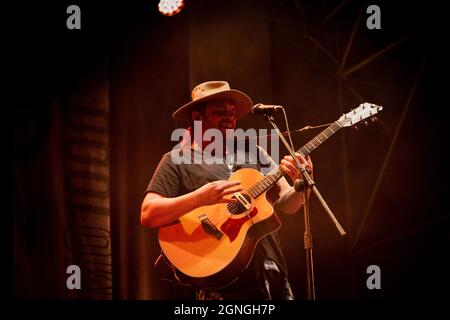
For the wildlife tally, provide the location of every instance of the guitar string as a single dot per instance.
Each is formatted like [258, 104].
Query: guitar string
[301, 151]
[223, 215]
[261, 184]
[236, 206]
[233, 207]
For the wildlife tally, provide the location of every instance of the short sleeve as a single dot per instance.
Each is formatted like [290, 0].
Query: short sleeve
[166, 179]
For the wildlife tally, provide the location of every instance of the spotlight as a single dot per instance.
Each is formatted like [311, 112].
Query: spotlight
[170, 7]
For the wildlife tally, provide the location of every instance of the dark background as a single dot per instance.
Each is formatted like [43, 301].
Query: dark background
[386, 183]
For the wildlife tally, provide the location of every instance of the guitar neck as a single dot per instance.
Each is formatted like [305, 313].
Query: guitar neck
[265, 183]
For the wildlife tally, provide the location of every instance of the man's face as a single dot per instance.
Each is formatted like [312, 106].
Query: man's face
[219, 114]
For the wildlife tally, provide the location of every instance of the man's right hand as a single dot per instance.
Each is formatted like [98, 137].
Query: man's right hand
[216, 191]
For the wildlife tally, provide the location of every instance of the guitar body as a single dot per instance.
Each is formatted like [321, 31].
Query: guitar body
[210, 245]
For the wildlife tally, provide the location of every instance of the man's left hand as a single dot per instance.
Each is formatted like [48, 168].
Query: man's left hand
[289, 168]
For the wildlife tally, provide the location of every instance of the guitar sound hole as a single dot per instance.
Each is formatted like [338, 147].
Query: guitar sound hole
[238, 208]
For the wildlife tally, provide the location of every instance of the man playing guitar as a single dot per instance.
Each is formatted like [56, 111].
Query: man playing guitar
[179, 188]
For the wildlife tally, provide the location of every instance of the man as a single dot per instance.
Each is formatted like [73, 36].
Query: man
[178, 188]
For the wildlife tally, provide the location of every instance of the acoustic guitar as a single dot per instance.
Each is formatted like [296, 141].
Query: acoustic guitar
[210, 246]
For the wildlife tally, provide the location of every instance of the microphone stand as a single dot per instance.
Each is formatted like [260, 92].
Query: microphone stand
[299, 186]
[308, 183]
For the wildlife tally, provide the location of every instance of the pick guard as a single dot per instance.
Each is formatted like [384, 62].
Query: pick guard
[232, 227]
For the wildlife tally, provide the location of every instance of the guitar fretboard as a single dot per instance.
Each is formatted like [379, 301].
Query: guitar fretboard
[265, 183]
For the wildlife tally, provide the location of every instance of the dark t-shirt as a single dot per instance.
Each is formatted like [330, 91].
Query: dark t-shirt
[173, 180]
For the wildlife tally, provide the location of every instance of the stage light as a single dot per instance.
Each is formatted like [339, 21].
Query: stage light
[170, 7]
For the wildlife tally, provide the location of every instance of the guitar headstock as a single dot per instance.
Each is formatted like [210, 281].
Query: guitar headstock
[364, 111]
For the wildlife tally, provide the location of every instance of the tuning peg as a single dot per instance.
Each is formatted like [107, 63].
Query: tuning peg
[374, 119]
[365, 123]
[356, 128]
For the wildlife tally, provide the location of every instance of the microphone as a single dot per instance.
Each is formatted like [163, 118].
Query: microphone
[264, 109]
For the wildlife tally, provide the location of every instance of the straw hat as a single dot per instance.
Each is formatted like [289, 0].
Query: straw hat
[214, 90]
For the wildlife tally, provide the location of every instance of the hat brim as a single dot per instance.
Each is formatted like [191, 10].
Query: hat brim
[241, 101]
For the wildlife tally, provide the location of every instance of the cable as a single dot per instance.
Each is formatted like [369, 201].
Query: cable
[288, 130]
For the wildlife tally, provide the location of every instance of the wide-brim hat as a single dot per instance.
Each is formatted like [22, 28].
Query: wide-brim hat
[215, 90]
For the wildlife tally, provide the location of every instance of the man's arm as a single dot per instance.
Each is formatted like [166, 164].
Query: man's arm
[157, 210]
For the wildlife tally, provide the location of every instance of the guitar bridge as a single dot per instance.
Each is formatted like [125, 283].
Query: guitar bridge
[209, 227]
